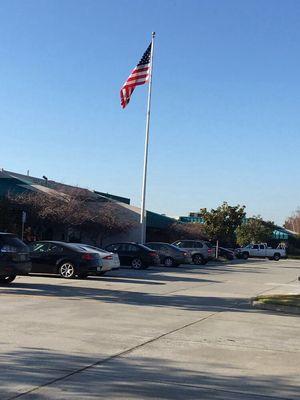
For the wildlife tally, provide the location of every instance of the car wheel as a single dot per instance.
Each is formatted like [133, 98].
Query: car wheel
[7, 279]
[276, 257]
[136, 263]
[169, 262]
[67, 270]
[245, 256]
[198, 259]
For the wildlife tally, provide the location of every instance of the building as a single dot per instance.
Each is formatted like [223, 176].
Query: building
[193, 217]
[15, 183]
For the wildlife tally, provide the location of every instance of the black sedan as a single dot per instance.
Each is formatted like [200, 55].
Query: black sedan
[64, 259]
[136, 255]
[14, 258]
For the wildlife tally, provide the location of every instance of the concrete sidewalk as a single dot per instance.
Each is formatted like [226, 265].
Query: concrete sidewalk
[186, 333]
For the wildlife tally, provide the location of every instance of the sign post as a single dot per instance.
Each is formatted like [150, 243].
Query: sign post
[24, 216]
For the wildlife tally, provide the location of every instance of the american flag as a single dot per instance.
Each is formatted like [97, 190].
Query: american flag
[138, 76]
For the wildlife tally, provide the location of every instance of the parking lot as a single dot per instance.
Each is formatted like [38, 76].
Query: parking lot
[161, 333]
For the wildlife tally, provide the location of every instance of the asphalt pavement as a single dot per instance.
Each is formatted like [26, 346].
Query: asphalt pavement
[163, 333]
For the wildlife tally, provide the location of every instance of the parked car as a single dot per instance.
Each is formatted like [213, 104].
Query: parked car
[110, 260]
[14, 258]
[225, 253]
[64, 259]
[201, 251]
[136, 255]
[169, 254]
[260, 250]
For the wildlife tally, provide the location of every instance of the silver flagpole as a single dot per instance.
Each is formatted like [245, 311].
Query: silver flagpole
[143, 210]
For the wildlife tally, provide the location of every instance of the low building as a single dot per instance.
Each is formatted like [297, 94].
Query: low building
[15, 184]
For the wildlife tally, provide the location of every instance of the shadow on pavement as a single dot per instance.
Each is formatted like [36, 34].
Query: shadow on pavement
[77, 377]
[142, 299]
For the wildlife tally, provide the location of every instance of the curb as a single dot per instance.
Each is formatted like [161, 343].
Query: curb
[275, 307]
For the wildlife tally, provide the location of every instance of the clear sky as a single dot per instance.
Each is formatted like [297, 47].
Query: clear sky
[226, 99]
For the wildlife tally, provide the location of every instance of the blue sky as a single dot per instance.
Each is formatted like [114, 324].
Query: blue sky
[225, 112]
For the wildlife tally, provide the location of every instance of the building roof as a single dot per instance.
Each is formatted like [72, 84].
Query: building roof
[16, 183]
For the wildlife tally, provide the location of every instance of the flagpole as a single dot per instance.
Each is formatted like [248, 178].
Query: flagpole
[143, 221]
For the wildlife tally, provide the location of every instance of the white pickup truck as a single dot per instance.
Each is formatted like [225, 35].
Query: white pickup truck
[260, 250]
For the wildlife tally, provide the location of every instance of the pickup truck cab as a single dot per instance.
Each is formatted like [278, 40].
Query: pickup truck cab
[260, 250]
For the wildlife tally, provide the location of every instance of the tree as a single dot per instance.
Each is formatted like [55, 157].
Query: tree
[222, 222]
[180, 230]
[77, 209]
[254, 230]
[293, 222]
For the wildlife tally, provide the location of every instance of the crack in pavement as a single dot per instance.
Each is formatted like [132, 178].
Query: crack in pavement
[112, 357]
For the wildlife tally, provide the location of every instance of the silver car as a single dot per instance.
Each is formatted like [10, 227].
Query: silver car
[201, 251]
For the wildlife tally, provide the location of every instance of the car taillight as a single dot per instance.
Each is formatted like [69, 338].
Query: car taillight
[185, 253]
[109, 257]
[87, 256]
[152, 254]
[209, 251]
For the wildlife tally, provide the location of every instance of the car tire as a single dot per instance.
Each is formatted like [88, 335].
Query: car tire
[5, 280]
[198, 259]
[169, 262]
[245, 256]
[137, 263]
[67, 270]
[276, 257]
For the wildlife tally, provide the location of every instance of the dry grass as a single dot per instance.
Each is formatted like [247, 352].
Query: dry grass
[292, 300]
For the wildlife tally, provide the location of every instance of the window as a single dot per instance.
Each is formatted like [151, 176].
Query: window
[153, 246]
[113, 248]
[54, 248]
[132, 248]
[39, 247]
[178, 244]
[198, 245]
[187, 244]
[255, 247]
[262, 247]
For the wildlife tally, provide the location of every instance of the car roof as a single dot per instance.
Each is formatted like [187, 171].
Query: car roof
[190, 240]
[111, 244]
[158, 243]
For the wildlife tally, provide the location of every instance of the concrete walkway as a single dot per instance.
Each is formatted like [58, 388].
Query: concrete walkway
[178, 333]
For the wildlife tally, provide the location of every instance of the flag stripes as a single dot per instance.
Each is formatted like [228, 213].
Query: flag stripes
[138, 76]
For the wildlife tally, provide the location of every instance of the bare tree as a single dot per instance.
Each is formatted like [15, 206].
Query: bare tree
[293, 222]
[77, 209]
